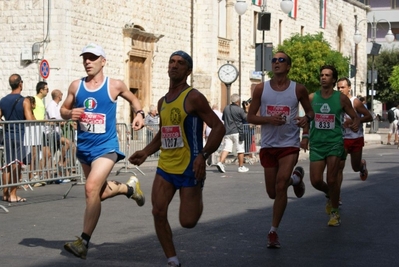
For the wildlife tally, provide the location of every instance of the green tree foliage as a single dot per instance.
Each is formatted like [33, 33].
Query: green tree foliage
[309, 53]
[394, 79]
[384, 63]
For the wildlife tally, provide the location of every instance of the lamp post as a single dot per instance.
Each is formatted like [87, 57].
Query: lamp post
[286, 7]
[389, 37]
[241, 8]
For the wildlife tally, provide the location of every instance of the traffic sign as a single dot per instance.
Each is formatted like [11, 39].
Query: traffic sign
[44, 69]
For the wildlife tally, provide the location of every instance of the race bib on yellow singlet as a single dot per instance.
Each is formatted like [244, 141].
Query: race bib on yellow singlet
[171, 137]
[283, 111]
[324, 121]
[93, 122]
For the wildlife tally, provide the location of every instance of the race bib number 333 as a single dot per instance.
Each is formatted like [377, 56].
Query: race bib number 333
[171, 137]
[93, 122]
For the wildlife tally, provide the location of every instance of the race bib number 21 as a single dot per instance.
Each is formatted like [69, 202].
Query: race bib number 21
[92, 122]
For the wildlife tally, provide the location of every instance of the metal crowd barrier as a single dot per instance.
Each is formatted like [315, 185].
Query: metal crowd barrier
[252, 138]
[44, 151]
[57, 140]
[141, 138]
[125, 136]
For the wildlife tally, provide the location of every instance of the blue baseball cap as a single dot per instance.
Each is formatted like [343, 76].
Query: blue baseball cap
[184, 55]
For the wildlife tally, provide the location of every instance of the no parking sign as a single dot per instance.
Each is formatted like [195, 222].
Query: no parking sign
[44, 69]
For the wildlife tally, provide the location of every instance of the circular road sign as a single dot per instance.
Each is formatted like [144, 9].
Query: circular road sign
[44, 69]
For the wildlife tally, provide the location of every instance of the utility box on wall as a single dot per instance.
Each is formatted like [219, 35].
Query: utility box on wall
[26, 54]
[267, 56]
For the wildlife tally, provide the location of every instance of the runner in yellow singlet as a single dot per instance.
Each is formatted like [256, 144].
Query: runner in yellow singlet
[181, 166]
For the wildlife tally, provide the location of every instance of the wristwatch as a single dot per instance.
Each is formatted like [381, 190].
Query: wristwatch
[204, 154]
[140, 112]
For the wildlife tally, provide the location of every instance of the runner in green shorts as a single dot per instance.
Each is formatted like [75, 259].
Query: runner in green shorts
[326, 138]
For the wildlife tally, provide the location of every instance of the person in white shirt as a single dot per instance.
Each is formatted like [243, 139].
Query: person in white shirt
[393, 126]
[213, 158]
[53, 113]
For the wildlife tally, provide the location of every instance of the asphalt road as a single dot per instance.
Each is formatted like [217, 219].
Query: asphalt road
[231, 232]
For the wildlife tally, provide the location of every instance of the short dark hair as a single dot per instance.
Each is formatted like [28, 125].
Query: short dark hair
[40, 86]
[333, 69]
[14, 81]
[289, 60]
[348, 82]
[31, 99]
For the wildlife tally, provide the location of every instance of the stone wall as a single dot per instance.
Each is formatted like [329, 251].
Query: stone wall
[62, 28]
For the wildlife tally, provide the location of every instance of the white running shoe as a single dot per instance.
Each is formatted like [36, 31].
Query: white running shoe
[138, 195]
[243, 169]
[220, 167]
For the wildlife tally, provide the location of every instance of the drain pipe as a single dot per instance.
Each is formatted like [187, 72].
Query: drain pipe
[36, 45]
[192, 38]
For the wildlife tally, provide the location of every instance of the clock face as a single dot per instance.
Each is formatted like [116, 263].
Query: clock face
[228, 73]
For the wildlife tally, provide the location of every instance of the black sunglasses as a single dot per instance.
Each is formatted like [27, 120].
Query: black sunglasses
[280, 59]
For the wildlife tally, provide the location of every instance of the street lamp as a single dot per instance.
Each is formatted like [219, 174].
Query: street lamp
[389, 37]
[241, 8]
[286, 7]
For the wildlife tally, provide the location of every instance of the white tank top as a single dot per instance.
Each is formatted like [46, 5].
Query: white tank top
[349, 134]
[275, 102]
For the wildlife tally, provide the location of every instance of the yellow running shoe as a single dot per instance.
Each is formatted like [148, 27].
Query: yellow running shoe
[77, 248]
[138, 195]
[335, 219]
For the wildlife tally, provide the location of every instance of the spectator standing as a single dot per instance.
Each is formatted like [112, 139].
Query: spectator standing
[39, 136]
[207, 130]
[29, 133]
[277, 101]
[233, 117]
[91, 101]
[53, 113]
[393, 124]
[152, 121]
[14, 107]
[181, 164]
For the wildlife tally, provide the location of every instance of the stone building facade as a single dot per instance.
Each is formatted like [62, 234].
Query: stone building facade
[139, 36]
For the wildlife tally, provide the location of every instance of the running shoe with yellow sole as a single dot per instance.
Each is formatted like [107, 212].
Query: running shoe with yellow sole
[335, 219]
[138, 195]
[77, 248]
